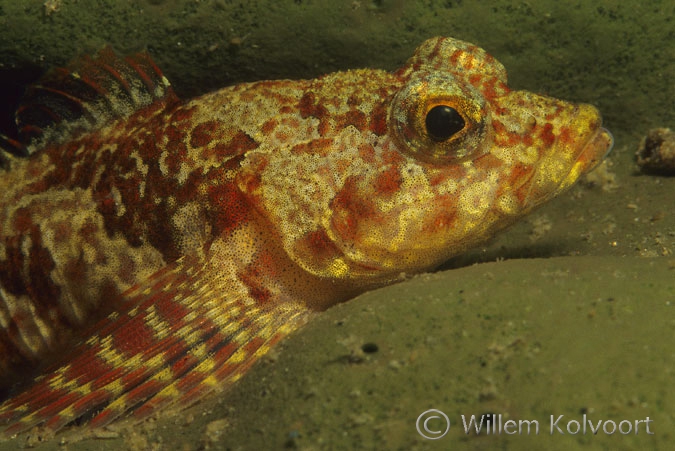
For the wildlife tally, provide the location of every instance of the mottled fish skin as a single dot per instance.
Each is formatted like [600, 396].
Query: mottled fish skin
[199, 234]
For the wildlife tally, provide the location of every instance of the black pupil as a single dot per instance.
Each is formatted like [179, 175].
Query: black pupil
[442, 122]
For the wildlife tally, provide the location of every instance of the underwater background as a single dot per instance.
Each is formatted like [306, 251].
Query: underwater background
[574, 311]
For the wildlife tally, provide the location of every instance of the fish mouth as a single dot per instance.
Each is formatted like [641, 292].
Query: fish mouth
[598, 146]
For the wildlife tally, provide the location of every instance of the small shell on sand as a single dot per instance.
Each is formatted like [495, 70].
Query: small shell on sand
[656, 153]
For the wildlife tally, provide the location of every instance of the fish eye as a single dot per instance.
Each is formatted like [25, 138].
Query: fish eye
[442, 122]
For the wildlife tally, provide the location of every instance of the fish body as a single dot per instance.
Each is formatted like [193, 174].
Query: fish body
[170, 244]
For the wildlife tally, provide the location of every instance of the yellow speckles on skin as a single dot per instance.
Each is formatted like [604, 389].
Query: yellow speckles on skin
[119, 204]
[551, 172]
[572, 176]
[141, 165]
[517, 154]
[449, 186]
[475, 199]
[338, 268]
[183, 173]
[527, 155]
[191, 228]
[504, 154]
[507, 204]
[161, 161]
[409, 216]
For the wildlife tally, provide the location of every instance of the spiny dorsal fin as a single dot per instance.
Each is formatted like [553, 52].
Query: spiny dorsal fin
[86, 95]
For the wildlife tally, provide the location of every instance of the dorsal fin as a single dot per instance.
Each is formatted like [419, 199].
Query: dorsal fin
[84, 96]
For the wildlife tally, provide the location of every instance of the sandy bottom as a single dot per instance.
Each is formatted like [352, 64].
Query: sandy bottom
[520, 339]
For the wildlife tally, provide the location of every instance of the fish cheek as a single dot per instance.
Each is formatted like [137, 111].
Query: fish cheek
[373, 226]
[350, 209]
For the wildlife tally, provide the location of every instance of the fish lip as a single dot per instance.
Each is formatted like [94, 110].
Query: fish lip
[611, 141]
[602, 138]
[594, 150]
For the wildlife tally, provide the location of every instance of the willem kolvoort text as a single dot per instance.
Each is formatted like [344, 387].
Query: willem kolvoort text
[494, 424]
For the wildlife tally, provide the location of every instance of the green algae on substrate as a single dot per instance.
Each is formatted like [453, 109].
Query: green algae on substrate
[526, 339]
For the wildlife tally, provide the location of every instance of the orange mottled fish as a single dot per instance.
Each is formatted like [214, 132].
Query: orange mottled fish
[167, 245]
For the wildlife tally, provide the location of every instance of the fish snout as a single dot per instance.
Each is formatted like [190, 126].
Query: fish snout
[580, 144]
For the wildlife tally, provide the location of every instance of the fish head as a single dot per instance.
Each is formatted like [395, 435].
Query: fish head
[461, 158]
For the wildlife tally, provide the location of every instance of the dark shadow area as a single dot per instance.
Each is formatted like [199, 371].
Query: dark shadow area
[13, 83]
[491, 254]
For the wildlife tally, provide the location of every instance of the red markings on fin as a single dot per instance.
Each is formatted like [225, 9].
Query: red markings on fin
[184, 332]
[88, 94]
[9, 149]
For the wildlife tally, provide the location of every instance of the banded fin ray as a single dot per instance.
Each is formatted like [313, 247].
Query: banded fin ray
[86, 95]
[178, 336]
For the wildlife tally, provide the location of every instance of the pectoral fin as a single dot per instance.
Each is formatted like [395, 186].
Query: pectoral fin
[183, 332]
